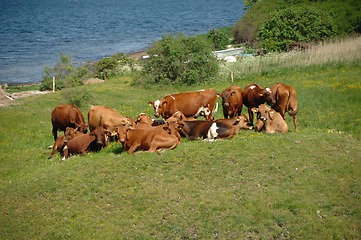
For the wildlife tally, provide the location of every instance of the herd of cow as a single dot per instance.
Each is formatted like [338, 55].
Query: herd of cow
[179, 113]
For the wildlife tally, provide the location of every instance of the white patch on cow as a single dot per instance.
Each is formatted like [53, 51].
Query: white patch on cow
[203, 111]
[251, 87]
[66, 147]
[268, 89]
[156, 104]
[63, 159]
[212, 132]
[202, 90]
[172, 97]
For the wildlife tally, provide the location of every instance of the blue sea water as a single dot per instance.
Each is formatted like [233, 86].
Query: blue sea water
[33, 32]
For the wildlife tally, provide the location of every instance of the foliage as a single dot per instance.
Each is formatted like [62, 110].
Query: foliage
[246, 29]
[180, 60]
[219, 39]
[76, 96]
[65, 74]
[295, 24]
[248, 3]
[113, 65]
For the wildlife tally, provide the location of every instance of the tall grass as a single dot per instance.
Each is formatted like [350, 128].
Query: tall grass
[331, 52]
[305, 184]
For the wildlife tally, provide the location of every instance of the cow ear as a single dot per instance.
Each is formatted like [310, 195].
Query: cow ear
[254, 109]
[165, 103]
[76, 129]
[261, 94]
[151, 103]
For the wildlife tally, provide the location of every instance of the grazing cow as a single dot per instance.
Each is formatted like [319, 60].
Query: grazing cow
[283, 99]
[66, 115]
[148, 140]
[191, 104]
[69, 134]
[232, 102]
[94, 140]
[108, 118]
[253, 96]
[269, 120]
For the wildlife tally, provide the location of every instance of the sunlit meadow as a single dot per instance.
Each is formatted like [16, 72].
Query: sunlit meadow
[305, 184]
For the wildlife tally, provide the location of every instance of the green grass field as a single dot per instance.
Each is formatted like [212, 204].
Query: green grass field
[299, 185]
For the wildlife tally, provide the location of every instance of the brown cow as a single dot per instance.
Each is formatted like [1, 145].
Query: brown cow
[94, 140]
[207, 130]
[239, 122]
[69, 134]
[145, 122]
[269, 120]
[191, 104]
[108, 118]
[66, 115]
[284, 99]
[253, 96]
[232, 102]
[149, 140]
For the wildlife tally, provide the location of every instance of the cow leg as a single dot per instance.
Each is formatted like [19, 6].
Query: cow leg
[55, 132]
[65, 153]
[250, 114]
[133, 148]
[295, 122]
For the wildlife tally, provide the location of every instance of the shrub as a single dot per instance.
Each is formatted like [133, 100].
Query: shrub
[76, 96]
[295, 24]
[65, 74]
[179, 59]
[219, 39]
[115, 65]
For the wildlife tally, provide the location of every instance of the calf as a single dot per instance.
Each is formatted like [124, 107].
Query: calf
[232, 102]
[283, 99]
[94, 140]
[253, 96]
[269, 120]
[66, 115]
[148, 140]
[69, 134]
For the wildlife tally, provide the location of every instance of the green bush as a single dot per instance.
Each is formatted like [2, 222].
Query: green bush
[180, 60]
[76, 96]
[65, 74]
[113, 65]
[219, 39]
[295, 24]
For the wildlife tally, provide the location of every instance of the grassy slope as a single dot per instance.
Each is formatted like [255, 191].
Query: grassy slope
[303, 184]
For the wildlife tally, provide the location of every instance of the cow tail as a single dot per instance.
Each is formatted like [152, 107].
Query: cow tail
[216, 108]
[293, 113]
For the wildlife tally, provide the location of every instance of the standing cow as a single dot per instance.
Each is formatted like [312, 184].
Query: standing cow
[283, 99]
[191, 104]
[66, 115]
[232, 102]
[253, 96]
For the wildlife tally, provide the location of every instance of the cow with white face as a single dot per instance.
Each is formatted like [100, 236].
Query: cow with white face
[191, 104]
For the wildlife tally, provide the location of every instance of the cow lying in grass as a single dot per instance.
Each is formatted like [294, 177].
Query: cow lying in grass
[59, 144]
[269, 121]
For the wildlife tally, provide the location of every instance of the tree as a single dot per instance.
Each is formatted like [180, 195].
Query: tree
[295, 24]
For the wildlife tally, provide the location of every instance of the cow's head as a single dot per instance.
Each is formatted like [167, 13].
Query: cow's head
[243, 123]
[176, 117]
[82, 127]
[144, 119]
[100, 136]
[69, 133]
[264, 114]
[269, 97]
[158, 107]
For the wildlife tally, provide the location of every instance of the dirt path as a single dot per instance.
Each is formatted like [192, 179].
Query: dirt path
[10, 98]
